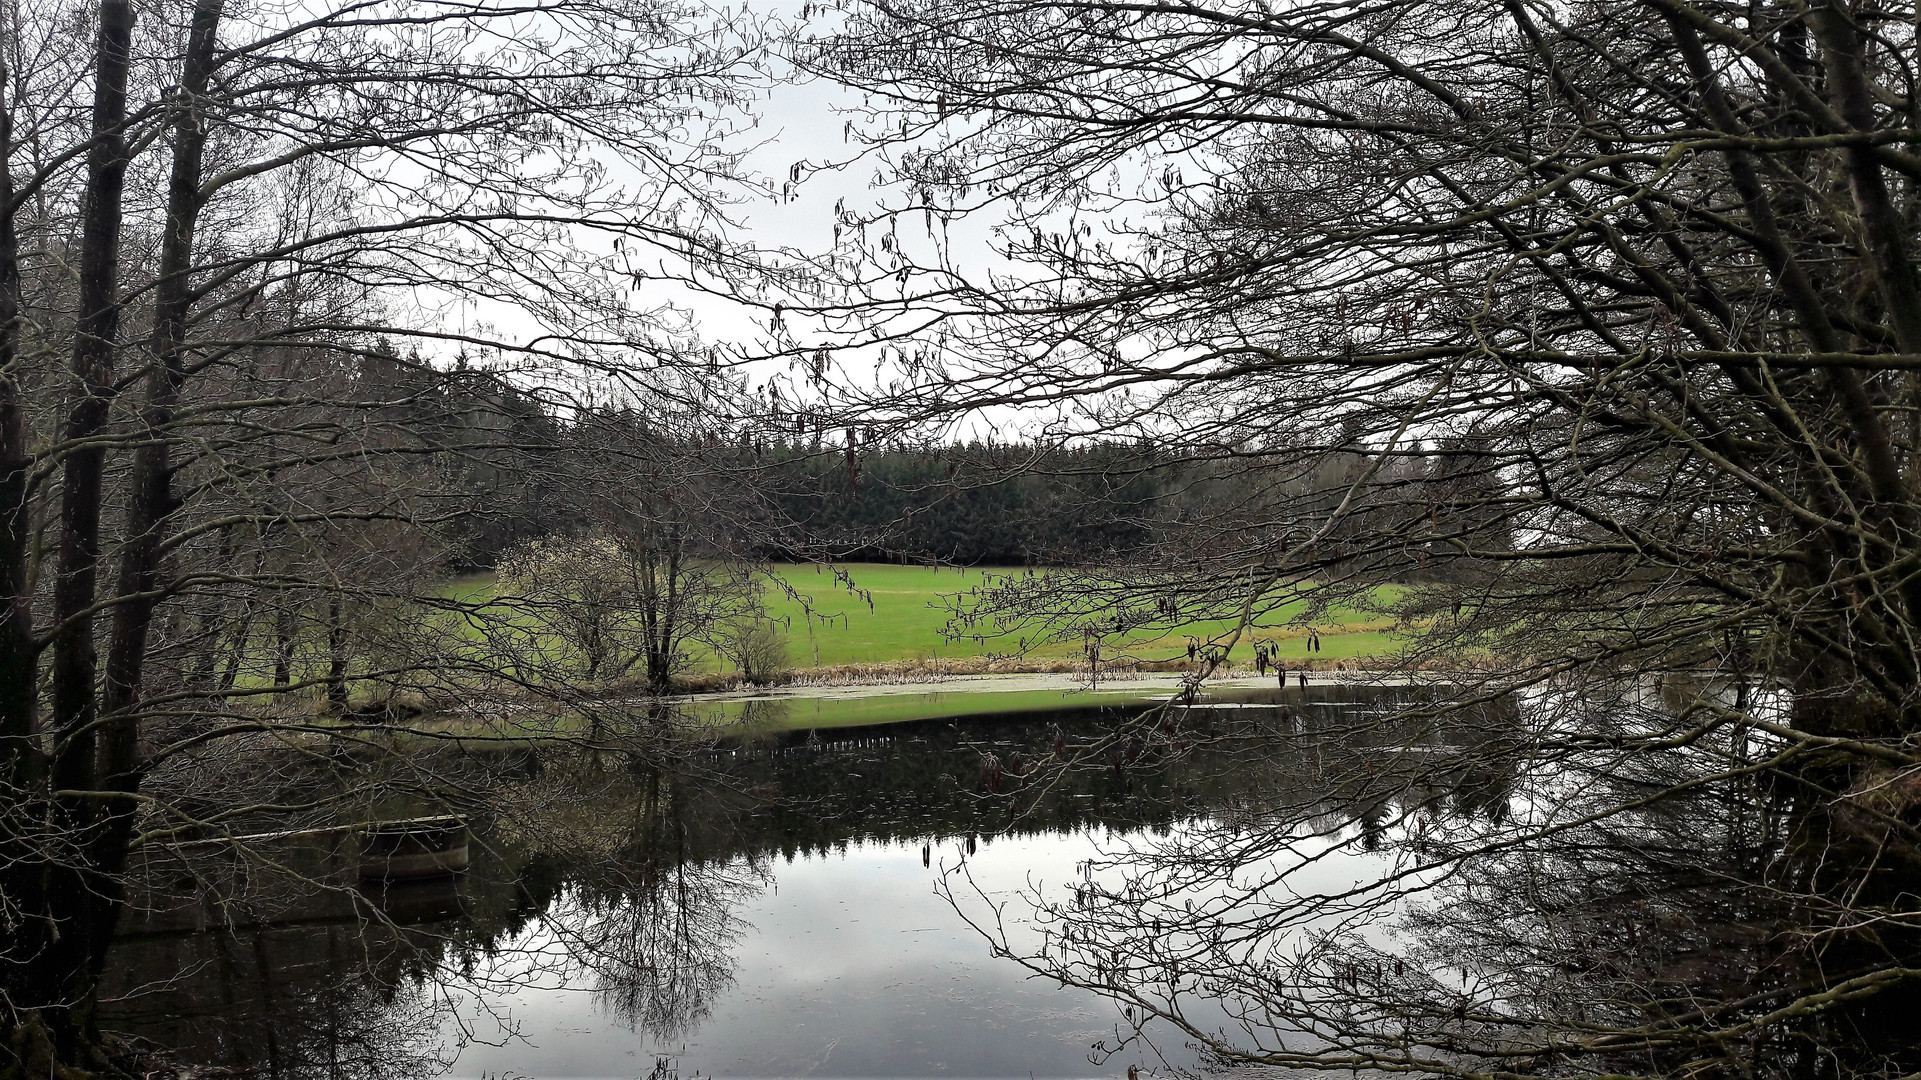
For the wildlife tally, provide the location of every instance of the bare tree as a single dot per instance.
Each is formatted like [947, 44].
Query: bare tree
[612, 601]
[259, 216]
[1640, 272]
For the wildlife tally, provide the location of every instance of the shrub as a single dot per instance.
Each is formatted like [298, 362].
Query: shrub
[759, 649]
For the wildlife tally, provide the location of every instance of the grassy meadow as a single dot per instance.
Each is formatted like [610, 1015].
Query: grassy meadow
[912, 606]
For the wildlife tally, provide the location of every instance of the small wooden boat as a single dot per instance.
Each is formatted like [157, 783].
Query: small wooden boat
[414, 848]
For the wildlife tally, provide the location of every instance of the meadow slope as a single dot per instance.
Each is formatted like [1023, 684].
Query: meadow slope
[829, 625]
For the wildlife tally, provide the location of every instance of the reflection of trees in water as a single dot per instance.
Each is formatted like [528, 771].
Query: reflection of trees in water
[656, 927]
[625, 873]
[1592, 887]
[338, 1001]
[1727, 930]
[1740, 923]
[1583, 886]
[591, 868]
[664, 954]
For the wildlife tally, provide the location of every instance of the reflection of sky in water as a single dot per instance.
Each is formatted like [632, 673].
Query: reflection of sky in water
[851, 965]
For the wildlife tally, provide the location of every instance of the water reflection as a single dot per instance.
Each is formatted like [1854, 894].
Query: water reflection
[654, 925]
[1587, 883]
[757, 909]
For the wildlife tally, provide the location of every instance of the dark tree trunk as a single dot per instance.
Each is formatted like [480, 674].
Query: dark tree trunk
[336, 658]
[74, 912]
[213, 622]
[206, 651]
[97, 327]
[18, 664]
[150, 500]
[243, 632]
[664, 616]
[22, 871]
[237, 650]
[284, 626]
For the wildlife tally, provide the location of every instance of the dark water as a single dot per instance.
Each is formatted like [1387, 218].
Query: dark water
[845, 964]
[1527, 882]
[801, 906]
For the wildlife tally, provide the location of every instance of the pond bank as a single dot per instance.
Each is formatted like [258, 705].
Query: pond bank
[877, 694]
[796, 707]
[900, 698]
[925, 670]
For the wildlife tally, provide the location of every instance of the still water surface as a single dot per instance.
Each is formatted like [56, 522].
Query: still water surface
[764, 910]
[850, 964]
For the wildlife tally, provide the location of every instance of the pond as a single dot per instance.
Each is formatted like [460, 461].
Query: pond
[1545, 883]
[809, 904]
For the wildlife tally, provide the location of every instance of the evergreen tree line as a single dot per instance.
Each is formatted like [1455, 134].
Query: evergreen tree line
[525, 472]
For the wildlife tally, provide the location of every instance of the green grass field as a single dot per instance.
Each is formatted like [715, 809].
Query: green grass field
[911, 607]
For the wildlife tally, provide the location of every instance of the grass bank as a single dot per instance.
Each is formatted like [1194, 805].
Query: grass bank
[835, 633]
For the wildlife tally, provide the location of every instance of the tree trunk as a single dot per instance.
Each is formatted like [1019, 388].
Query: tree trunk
[336, 658]
[150, 497]
[284, 625]
[97, 328]
[18, 662]
[237, 652]
[81, 891]
[22, 800]
[206, 653]
[150, 500]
